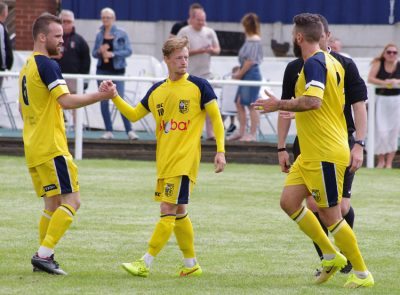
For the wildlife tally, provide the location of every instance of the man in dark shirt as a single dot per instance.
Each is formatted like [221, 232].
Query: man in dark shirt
[75, 55]
[179, 25]
[355, 96]
[6, 54]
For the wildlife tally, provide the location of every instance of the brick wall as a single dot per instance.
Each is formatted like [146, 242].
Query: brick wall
[26, 11]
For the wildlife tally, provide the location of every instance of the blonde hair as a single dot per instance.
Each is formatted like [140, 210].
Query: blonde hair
[173, 44]
[381, 57]
[108, 10]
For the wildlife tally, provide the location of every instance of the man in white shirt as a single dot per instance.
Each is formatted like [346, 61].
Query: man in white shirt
[203, 43]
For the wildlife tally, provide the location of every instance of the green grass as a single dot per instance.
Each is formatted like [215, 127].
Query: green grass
[244, 242]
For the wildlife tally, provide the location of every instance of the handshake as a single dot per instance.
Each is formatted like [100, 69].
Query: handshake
[107, 86]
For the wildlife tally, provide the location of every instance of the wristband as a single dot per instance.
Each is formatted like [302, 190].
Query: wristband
[281, 150]
[360, 142]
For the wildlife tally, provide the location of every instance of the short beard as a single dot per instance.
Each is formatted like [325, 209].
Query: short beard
[53, 51]
[296, 49]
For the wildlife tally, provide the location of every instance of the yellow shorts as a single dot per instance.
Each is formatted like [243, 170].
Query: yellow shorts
[174, 190]
[57, 176]
[324, 180]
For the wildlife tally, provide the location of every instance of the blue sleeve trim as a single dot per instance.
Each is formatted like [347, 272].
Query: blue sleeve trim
[49, 71]
[206, 90]
[315, 70]
[145, 100]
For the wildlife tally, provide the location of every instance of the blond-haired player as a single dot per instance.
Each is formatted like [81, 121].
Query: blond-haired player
[179, 105]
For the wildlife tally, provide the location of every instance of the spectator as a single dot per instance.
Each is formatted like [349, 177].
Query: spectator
[336, 45]
[385, 73]
[112, 47]
[179, 25]
[203, 43]
[250, 56]
[74, 57]
[75, 54]
[6, 54]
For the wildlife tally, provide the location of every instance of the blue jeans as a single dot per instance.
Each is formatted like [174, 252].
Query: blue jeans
[105, 110]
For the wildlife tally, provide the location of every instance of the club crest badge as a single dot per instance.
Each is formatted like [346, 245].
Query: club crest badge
[316, 195]
[184, 106]
[169, 189]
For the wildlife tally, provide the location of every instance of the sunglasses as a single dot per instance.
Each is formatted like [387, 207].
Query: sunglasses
[391, 52]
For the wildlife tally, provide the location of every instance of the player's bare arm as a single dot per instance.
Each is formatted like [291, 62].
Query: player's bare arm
[283, 130]
[74, 101]
[360, 121]
[300, 104]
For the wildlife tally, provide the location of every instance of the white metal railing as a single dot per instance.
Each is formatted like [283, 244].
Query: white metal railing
[79, 112]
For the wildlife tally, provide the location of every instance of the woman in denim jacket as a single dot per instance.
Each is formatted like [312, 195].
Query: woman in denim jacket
[112, 47]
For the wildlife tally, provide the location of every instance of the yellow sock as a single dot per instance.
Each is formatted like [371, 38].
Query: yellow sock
[309, 224]
[346, 240]
[185, 236]
[44, 224]
[58, 225]
[161, 234]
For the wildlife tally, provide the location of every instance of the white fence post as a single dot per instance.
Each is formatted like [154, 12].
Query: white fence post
[371, 127]
[79, 122]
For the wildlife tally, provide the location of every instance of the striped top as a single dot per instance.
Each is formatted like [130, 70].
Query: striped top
[251, 50]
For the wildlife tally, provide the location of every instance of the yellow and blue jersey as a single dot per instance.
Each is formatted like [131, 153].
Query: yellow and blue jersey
[322, 133]
[179, 111]
[40, 85]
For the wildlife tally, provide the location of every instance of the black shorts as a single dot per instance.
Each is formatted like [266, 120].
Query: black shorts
[296, 148]
[348, 176]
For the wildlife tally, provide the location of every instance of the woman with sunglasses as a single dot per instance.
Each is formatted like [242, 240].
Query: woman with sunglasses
[385, 73]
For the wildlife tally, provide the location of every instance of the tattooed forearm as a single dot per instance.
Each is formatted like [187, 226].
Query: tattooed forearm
[301, 104]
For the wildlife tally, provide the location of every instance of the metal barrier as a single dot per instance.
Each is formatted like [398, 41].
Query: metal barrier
[79, 112]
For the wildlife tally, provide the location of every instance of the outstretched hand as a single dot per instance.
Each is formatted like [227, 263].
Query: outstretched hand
[267, 105]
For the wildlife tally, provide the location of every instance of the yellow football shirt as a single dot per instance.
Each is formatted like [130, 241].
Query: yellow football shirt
[178, 109]
[322, 133]
[40, 85]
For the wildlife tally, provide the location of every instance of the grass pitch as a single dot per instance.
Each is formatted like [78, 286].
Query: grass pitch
[245, 243]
